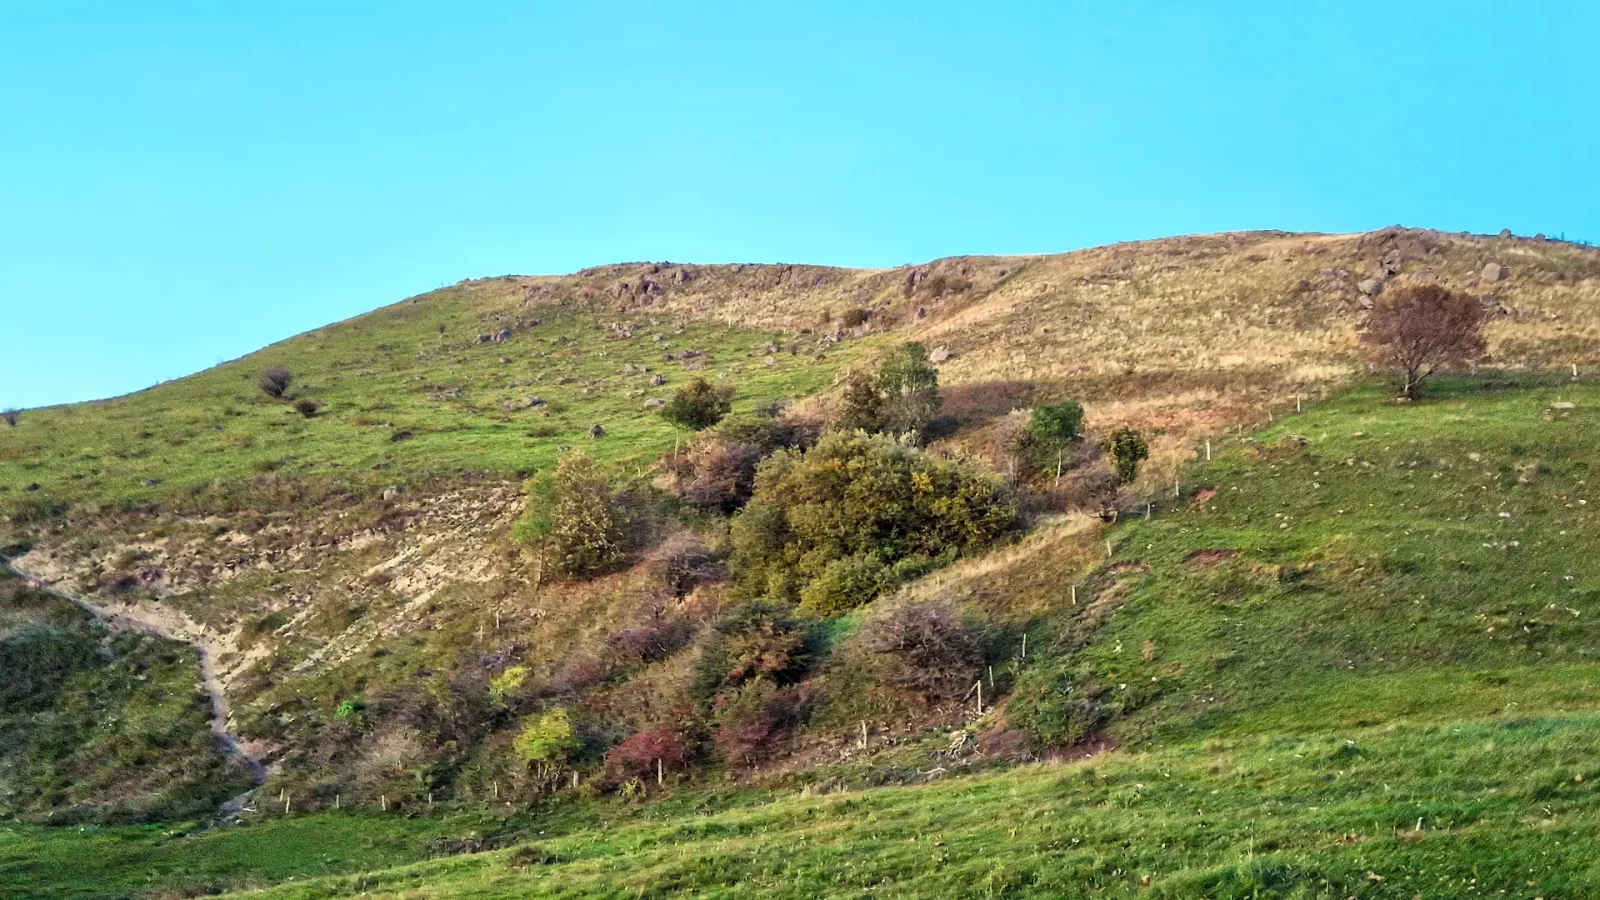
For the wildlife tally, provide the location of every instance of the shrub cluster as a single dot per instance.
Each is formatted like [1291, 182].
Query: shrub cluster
[718, 469]
[833, 526]
[901, 397]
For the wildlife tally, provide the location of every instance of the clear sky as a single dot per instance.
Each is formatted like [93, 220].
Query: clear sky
[182, 183]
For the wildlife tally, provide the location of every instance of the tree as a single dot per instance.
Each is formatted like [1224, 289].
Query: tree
[910, 387]
[1055, 427]
[11, 416]
[698, 405]
[583, 535]
[861, 407]
[546, 744]
[1421, 328]
[275, 380]
[1127, 448]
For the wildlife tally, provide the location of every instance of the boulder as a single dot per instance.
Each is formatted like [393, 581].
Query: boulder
[1372, 287]
[939, 354]
[532, 402]
[596, 431]
[1495, 272]
[654, 403]
[658, 380]
[1505, 232]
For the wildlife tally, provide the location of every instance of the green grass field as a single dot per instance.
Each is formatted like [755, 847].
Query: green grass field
[407, 396]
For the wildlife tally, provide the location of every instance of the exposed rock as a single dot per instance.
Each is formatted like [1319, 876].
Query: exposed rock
[1505, 232]
[596, 431]
[771, 362]
[654, 403]
[1494, 272]
[390, 493]
[532, 402]
[939, 354]
[658, 380]
[1372, 287]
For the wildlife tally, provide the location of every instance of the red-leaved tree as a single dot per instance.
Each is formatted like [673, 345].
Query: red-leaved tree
[1419, 329]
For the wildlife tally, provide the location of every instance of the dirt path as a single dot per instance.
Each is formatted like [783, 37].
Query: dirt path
[123, 621]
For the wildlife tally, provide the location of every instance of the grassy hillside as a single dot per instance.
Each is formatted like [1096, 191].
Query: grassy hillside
[1334, 666]
[95, 726]
[1397, 598]
[406, 396]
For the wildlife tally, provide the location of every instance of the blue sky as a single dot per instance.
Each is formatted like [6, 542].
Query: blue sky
[182, 183]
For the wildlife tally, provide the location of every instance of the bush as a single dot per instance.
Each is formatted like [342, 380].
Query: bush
[753, 640]
[1052, 429]
[713, 473]
[756, 720]
[275, 381]
[855, 317]
[698, 405]
[718, 471]
[548, 739]
[582, 535]
[307, 408]
[845, 584]
[853, 496]
[11, 417]
[861, 405]
[910, 387]
[637, 756]
[1127, 448]
[927, 649]
[901, 397]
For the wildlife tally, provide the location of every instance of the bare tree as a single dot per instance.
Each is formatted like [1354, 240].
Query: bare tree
[1419, 329]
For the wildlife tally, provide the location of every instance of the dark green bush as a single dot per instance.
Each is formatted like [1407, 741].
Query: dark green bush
[845, 584]
[698, 405]
[855, 496]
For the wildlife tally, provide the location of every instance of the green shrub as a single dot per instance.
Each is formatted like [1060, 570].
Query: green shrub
[583, 534]
[698, 405]
[1127, 449]
[910, 387]
[1052, 429]
[756, 639]
[548, 739]
[854, 496]
[845, 584]
[861, 405]
[901, 397]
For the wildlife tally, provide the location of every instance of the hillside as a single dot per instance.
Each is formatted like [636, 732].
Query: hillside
[1335, 668]
[1354, 586]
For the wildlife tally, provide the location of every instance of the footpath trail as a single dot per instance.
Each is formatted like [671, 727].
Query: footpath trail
[129, 619]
